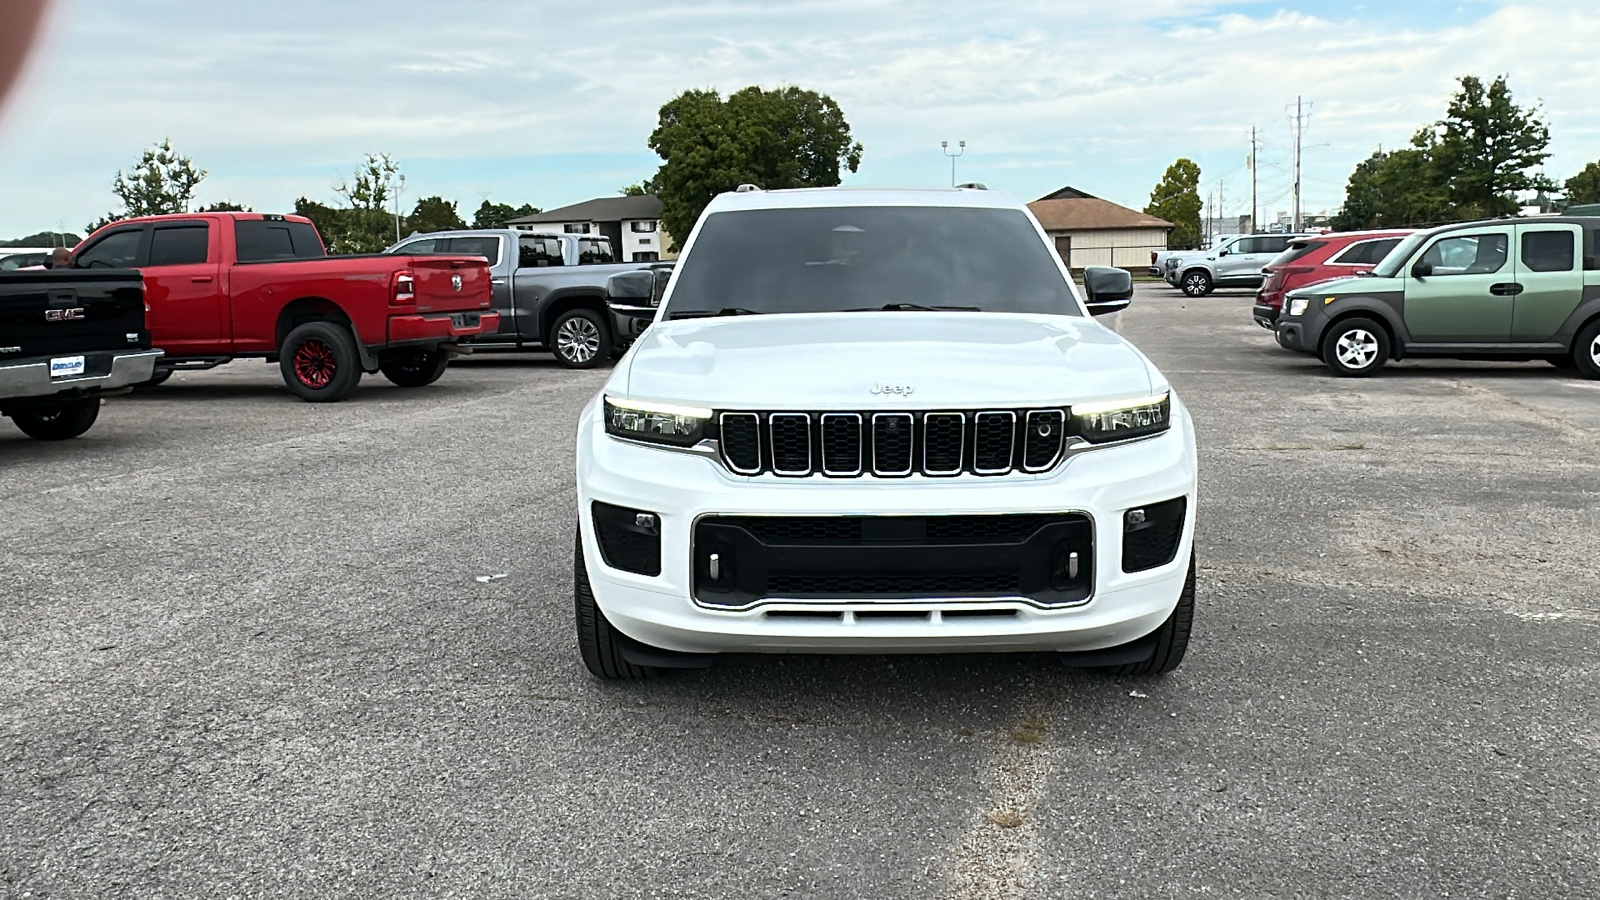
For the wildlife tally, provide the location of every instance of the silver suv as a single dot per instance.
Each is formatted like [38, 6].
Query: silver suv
[1234, 261]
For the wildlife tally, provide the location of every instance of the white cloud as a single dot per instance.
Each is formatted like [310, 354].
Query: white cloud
[551, 103]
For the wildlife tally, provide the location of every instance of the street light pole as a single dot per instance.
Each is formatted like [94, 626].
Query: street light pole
[945, 146]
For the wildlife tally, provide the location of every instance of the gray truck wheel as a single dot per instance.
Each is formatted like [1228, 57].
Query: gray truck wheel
[580, 339]
[414, 367]
[58, 422]
[1196, 283]
[319, 362]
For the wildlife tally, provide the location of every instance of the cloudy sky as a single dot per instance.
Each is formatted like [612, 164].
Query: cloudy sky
[551, 103]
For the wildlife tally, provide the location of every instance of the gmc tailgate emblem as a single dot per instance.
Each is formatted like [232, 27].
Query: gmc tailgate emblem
[64, 315]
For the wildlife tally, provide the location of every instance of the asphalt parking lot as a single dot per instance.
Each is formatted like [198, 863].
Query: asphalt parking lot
[246, 651]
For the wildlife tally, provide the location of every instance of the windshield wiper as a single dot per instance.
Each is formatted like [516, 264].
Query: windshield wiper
[892, 307]
[712, 313]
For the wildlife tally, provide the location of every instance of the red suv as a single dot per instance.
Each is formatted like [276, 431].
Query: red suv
[1320, 258]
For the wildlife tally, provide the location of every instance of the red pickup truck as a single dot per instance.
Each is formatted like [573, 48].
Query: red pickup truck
[224, 286]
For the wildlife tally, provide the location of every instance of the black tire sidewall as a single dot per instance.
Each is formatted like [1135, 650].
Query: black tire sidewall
[415, 368]
[347, 362]
[64, 421]
[1330, 341]
[1581, 357]
[602, 353]
[598, 642]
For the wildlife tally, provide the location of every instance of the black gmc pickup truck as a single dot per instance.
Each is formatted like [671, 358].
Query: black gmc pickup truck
[67, 338]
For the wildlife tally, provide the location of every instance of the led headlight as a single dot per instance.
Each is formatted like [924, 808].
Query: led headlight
[1296, 306]
[658, 423]
[1121, 420]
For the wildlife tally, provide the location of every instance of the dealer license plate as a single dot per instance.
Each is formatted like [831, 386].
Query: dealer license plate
[64, 366]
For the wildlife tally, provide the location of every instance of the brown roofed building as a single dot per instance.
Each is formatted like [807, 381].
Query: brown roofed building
[1088, 231]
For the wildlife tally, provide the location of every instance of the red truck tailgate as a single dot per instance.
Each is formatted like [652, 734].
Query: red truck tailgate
[450, 283]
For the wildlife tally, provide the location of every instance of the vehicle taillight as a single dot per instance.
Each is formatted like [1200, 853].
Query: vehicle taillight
[405, 292]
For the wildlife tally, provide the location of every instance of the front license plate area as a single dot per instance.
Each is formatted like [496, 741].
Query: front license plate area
[66, 366]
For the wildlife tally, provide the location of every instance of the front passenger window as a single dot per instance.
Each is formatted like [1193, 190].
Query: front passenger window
[1468, 254]
[117, 250]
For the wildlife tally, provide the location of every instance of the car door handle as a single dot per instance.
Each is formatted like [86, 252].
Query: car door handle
[497, 281]
[1505, 289]
[200, 279]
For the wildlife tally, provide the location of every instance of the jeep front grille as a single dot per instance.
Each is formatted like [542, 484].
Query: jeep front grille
[938, 443]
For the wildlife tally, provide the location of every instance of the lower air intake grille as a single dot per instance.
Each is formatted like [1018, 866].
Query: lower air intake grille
[954, 585]
[1153, 542]
[625, 543]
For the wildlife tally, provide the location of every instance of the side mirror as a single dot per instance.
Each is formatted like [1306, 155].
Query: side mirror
[1109, 290]
[659, 289]
[1421, 270]
[635, 285]
[1222, 253]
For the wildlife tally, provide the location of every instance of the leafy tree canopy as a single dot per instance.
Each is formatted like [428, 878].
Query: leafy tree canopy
[783, 138]
[45, 239]
[1176, 198]
[1485, 147]
[1395, 189]
[496, 215]
[1584, 187]
[433, 214]
[161, 182]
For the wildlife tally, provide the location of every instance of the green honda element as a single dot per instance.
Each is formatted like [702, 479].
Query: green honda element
[1513, 289]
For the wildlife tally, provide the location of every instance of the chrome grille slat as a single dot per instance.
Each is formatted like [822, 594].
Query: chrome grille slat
[790, 437]
[890, 446]
[843, 455]
[933, 443]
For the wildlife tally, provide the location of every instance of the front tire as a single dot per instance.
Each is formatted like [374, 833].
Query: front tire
[1355, 348]
[599, 643]
[415, 367]
[1171, 639]
[58, 422]
[1196, 283]
[1586, 351]
[319, 362]
[580, 339]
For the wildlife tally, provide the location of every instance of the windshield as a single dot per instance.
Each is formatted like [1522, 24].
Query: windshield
[1397, 257]
[834, 259]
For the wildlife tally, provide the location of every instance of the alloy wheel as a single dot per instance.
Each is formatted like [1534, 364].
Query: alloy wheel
[1357, 348]
[578, 340]
[314, 363]
[1594, 350]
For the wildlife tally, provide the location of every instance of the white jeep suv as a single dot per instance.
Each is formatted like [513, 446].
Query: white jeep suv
[874, 421]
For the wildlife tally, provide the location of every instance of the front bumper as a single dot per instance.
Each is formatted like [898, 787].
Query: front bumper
[1265, 315]
[102, 371]
[1292, 334]
[682, 488]
[441, 327]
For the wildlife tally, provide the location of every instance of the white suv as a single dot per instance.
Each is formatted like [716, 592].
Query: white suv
[875, 421]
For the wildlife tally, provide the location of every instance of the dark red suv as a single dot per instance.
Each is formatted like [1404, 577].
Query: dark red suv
[1320, 258]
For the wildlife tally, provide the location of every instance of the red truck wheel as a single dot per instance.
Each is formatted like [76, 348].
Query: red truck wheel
[319, 362]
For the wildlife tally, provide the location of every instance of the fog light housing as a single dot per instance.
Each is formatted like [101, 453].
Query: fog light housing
[626, 541]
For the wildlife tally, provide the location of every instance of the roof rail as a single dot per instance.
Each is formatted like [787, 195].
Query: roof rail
[745, 188]
[974, 186]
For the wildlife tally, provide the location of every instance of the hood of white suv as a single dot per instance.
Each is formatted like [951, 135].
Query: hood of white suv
[887, 360]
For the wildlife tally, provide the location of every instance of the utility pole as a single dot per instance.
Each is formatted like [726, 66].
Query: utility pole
[1255, 223]
[1220, 212]
[1299, 129]
[945, 146]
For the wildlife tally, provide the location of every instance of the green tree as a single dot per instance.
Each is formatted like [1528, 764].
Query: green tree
[45, 239]
[637, 189]
[1485, 147]
[225, 206]
[329, 221]
[161, 182]
[783, 138]
[1394, 189]
[496, 215]
[1176, 198]
[433, 214]
[1584, 187]
[367, 225]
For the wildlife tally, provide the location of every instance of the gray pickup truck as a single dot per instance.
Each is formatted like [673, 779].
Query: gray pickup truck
[550, 291]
